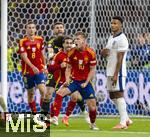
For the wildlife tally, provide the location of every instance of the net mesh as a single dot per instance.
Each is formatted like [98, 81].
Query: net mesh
[93, 17]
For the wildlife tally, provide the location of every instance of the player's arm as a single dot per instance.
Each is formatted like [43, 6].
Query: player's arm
[118, 66]
[28, 62]
[90, 76]
[105, 52]
[44, 61]
[68, 74]
[44, 58]
[56, 65]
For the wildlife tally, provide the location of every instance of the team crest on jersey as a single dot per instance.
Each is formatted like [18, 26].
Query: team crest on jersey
[52, 63]
[33, 49]
[114, 45]
[114, 42]
[38, 45]
[80, 62]
[22, 49]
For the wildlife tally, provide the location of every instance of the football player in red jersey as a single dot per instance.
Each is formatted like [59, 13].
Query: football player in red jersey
[80, 69]
[54, 46]
[31, 49]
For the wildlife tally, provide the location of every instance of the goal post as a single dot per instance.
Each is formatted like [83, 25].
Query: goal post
[4, 35]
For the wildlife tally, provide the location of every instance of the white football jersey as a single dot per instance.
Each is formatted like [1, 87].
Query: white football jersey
[117, 44]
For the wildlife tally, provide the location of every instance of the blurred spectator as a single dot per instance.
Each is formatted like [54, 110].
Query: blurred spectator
[13, 58]
[147, 38]
[140, 53]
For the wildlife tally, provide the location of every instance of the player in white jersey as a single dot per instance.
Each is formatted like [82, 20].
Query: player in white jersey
[116, 50]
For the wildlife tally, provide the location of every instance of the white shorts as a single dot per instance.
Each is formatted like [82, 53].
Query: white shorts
[120, 86]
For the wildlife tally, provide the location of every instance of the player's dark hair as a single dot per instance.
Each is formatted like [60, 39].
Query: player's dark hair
[57, 23]
[119, 18]
[58, 41]
[29, 22]
[66, 38]
[81, 33]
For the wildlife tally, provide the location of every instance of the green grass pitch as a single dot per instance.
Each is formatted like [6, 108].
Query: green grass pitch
[79, 128]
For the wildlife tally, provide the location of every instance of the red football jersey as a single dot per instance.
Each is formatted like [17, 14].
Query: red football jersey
[81, 62]
[55, 68]
[34, 53]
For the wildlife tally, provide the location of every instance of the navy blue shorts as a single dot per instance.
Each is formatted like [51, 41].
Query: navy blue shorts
[86, 93]
[32, 81]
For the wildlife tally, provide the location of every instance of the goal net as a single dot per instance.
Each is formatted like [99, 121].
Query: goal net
[93, 17]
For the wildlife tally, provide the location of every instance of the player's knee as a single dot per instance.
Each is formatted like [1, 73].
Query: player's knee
[63, 91]
[91, 104]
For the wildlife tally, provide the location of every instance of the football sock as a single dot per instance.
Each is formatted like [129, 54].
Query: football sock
[92, 115]
[33, 106]
[52, 110]
[122, 110]
[71, 106]
[57, 104]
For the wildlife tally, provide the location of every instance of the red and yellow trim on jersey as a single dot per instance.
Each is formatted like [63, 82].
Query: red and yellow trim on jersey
[38, 37]
[91, 51]
[22, 40]
[54, 58]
